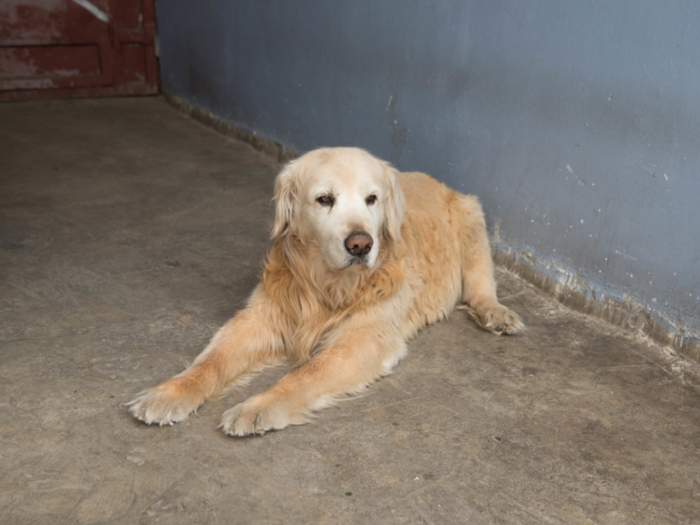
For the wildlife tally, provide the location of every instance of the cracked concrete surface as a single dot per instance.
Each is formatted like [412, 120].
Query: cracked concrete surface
[129, 233]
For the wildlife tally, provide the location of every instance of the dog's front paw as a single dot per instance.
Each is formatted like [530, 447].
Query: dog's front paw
[256, 416]
[497, 319]
[162, 405]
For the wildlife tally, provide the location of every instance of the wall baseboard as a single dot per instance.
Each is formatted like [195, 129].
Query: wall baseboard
[273, 149]
[627, 314]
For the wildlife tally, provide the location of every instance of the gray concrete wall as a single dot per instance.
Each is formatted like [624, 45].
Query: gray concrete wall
[577, 123]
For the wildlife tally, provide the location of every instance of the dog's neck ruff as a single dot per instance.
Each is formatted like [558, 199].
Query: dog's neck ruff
[315, 298]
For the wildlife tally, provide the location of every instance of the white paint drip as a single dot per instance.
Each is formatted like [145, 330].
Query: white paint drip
[99, 13]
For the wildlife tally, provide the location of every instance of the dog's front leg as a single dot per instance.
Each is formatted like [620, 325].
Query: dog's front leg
[248, 342]
[345, 366]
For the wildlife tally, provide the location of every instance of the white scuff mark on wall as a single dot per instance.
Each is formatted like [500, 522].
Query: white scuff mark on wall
[570, 169]
[625, 255]
[99, 13]
[665, 176]
[389, 103]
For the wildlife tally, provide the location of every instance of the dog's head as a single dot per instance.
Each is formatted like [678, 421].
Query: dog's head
[344, 201]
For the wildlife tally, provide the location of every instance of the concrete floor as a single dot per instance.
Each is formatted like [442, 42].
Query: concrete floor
[129, 233]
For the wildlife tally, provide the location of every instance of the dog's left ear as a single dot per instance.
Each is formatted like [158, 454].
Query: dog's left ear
[286, 199]
[394, 203]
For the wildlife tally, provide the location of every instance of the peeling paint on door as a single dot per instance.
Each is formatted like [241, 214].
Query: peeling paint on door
[77, 48]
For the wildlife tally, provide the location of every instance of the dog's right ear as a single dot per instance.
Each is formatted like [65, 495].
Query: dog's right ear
[286, 200]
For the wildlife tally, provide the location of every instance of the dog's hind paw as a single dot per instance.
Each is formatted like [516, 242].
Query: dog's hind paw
[496, 319]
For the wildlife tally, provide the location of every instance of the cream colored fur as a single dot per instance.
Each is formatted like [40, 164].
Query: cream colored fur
[343, 321]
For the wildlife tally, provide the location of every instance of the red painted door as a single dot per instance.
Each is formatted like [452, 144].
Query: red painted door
[77, 48]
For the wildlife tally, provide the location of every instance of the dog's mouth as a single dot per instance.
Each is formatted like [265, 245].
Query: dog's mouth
[356, 261]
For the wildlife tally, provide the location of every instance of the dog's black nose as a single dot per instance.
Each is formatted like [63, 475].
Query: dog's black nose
[358, 243]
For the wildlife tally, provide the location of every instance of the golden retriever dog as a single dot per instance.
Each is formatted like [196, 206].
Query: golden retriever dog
[363, 257]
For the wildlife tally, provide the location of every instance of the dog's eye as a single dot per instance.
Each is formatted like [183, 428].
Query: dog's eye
[371, 200]
[325, 200]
